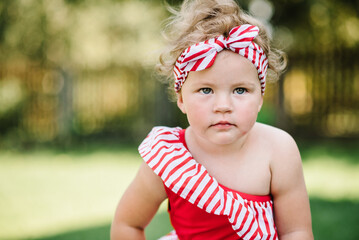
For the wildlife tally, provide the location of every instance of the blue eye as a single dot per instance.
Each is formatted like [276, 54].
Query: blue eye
[205, 90]
[240, 90]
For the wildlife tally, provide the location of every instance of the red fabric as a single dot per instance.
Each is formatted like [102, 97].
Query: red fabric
[192, 223]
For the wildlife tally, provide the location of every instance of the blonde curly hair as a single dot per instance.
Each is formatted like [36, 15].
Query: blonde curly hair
[199, 20]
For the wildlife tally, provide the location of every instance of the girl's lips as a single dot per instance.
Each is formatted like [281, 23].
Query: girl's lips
[223, 124]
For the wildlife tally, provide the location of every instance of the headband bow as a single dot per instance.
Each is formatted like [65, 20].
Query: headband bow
[202, 55]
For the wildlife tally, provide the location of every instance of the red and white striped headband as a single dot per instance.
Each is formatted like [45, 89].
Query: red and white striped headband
[202, 55]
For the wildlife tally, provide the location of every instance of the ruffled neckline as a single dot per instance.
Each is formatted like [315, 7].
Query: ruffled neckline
[168, 157]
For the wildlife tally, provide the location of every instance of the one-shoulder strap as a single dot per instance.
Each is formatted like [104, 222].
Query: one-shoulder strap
[166, 155]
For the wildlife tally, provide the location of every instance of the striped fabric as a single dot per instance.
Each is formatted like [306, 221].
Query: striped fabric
[202, 55]
[166, 155]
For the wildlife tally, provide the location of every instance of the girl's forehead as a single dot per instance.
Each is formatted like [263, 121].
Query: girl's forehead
[227, 65]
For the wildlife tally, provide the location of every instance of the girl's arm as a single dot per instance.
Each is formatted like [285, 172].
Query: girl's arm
[138, 205]
[291, 202]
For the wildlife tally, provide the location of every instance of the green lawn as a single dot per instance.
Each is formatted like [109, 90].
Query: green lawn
[47, 194]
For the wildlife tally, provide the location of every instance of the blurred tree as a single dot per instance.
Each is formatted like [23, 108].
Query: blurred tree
[85, 68]
[322, 39]
[109, 46]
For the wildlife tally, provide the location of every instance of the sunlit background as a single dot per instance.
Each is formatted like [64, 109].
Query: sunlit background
[78, 93]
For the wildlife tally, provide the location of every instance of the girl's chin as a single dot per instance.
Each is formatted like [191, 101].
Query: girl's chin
[221, 138]
[224, 138]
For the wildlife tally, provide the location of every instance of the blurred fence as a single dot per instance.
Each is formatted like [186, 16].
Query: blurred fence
[317, 97]
[319, 94]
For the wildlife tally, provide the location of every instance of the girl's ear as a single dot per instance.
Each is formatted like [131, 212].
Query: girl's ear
[180, 103]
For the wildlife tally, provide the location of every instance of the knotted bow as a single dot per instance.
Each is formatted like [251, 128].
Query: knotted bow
[202, 55]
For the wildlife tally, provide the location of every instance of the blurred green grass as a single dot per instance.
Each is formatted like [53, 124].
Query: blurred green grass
[52, 194]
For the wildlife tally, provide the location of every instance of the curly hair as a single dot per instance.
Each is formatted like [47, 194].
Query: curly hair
[199, 20]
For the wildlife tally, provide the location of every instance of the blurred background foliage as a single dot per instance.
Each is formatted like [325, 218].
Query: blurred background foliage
[78, 76]
[74, 70]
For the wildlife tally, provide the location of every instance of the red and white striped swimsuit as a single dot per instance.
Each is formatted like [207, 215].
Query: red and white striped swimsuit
[200, 207]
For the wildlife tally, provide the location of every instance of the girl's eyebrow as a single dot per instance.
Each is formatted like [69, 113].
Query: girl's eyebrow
[204, 83]
[238, 82]
[247, 83]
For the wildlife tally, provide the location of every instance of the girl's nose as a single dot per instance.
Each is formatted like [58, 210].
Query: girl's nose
[223, 104]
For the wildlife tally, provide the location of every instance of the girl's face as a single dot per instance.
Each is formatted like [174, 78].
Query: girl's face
[223, 101]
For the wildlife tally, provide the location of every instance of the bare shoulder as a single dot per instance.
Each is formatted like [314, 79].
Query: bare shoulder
[285, 160]
[284, 156]
[274, 134]
[279, 142]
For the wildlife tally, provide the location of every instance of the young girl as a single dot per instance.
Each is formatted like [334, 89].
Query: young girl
[225, 176]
